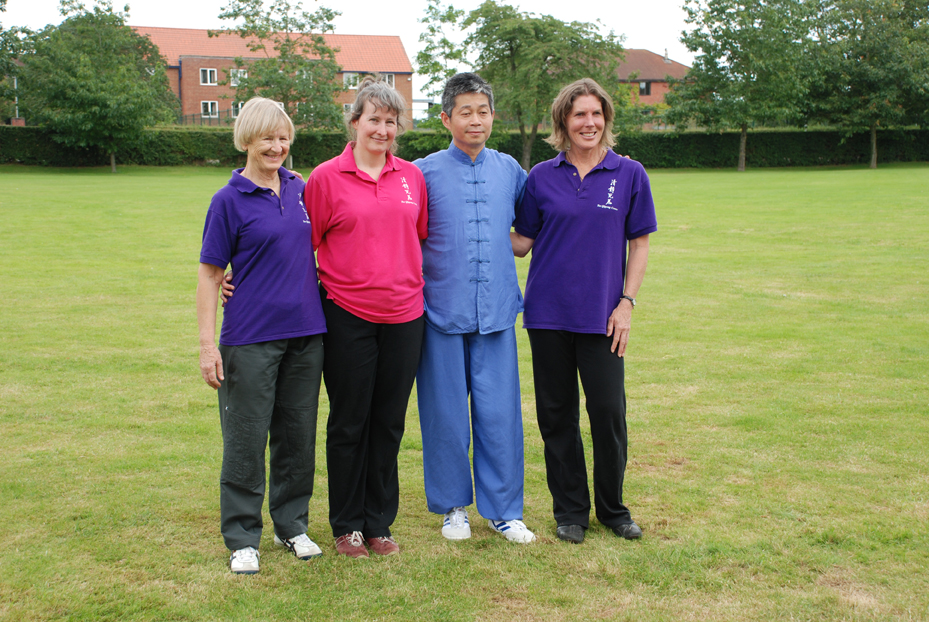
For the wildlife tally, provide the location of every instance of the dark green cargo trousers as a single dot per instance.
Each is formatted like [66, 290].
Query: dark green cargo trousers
[271, 389]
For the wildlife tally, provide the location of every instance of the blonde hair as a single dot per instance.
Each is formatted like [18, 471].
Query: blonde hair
[258, 117]
[563, 105]
[381, 95]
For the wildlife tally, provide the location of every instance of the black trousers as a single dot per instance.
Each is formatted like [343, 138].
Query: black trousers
[271, 388]
[369, 372]
[557, 358]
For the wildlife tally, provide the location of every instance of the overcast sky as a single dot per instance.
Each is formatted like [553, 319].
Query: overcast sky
[653, 25]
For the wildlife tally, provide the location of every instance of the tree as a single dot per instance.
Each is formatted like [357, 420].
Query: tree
[296, 67]
[748, 68]
[95, 82]
[528, 58]
[13, 43]
[873, 68]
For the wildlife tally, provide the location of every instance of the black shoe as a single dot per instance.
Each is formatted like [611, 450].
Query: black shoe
[571, 533]
[629, 531]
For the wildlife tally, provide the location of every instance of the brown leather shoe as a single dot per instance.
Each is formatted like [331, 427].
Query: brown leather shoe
[383, 546]
[351, 544]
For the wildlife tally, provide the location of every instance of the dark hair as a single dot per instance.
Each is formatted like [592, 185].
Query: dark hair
[463, 83]
[563, 104]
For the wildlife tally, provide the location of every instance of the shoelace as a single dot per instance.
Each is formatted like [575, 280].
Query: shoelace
[302, 540]
[355, 539]
[458, 518]
[246, 555]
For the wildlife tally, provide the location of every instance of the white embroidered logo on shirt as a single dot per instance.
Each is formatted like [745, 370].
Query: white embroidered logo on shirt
[609, 197]
[306, 219]
[409, 196]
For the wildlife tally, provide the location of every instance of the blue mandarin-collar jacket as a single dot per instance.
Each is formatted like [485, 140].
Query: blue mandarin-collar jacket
[468, 265]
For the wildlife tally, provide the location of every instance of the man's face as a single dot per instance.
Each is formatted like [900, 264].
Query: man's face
[471, 122]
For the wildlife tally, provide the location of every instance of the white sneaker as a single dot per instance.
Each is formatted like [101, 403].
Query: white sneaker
[514, 530]
[244, 561]
[456, 525]
[301, 546]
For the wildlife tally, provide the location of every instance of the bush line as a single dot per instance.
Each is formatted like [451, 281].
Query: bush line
[176, 147]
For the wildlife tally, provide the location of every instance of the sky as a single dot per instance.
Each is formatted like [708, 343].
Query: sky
[653, 25]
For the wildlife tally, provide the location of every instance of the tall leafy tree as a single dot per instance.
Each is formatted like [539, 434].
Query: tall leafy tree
[13, 43]
[528, 58]
[95, 82]
[748, 66]
[873, 65]
[295, 66]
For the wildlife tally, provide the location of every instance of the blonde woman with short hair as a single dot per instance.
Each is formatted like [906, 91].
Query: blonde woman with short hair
[270, 357]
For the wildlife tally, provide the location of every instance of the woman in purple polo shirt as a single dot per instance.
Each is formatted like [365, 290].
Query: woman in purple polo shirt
[579, 212]
[270, 357]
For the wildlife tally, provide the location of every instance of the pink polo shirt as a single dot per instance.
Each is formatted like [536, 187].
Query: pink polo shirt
[367, 236]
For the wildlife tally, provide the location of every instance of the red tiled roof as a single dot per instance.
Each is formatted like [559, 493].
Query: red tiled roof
[650, 66]
[368, 53]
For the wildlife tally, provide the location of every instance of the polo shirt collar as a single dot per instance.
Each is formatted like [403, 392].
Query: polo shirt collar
[463, 157]
[610, 161]
[246, 186]
[347, 160]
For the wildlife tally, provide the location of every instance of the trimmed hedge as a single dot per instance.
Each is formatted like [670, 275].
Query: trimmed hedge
[172, 147]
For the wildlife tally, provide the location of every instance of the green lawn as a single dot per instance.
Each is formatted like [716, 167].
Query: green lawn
[778, 381]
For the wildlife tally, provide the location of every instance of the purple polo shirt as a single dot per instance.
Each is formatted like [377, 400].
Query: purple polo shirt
[267, 239]
[580, 230]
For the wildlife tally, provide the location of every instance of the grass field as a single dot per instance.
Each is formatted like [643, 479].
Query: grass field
[778, 382]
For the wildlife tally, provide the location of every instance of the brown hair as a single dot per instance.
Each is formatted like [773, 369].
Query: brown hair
[381, 95]
[563, 105]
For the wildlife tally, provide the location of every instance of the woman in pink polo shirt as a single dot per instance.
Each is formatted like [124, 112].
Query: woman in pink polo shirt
[368, 210]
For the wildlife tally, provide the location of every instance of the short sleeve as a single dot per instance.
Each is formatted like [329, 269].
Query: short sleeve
[218, 237]
[528, 215]
[641, 218]
[422, 222]
[318, 208]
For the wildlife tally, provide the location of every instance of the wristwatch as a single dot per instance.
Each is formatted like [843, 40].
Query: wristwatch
[629, 298]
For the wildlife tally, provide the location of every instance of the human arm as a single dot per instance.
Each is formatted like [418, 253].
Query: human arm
[209, 278]
[620, 320]
[521, 244]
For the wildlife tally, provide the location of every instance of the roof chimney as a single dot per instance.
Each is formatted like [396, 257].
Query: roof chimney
[666, 59]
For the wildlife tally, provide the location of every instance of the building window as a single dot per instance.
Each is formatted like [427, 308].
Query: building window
[209, 109]
[235, 75]
[351, 79]
[645, 88]
[347, 107]
[208, 76]
[237, 108]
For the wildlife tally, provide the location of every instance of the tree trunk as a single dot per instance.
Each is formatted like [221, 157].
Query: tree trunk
[113, 162]
[528, 142]
[743, 138]
[874, 145]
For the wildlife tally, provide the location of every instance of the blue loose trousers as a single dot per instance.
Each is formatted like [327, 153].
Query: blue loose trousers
[484, 366]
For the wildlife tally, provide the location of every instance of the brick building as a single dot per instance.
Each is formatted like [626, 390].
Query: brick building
[651, 72]
[198, 62]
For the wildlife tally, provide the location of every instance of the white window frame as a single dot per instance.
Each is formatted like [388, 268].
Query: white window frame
[347, 107]
[350, 80]
[235, 75]
[645, 88]
[212, 109]
[389, 79]
[236, 108]
[207, 76]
